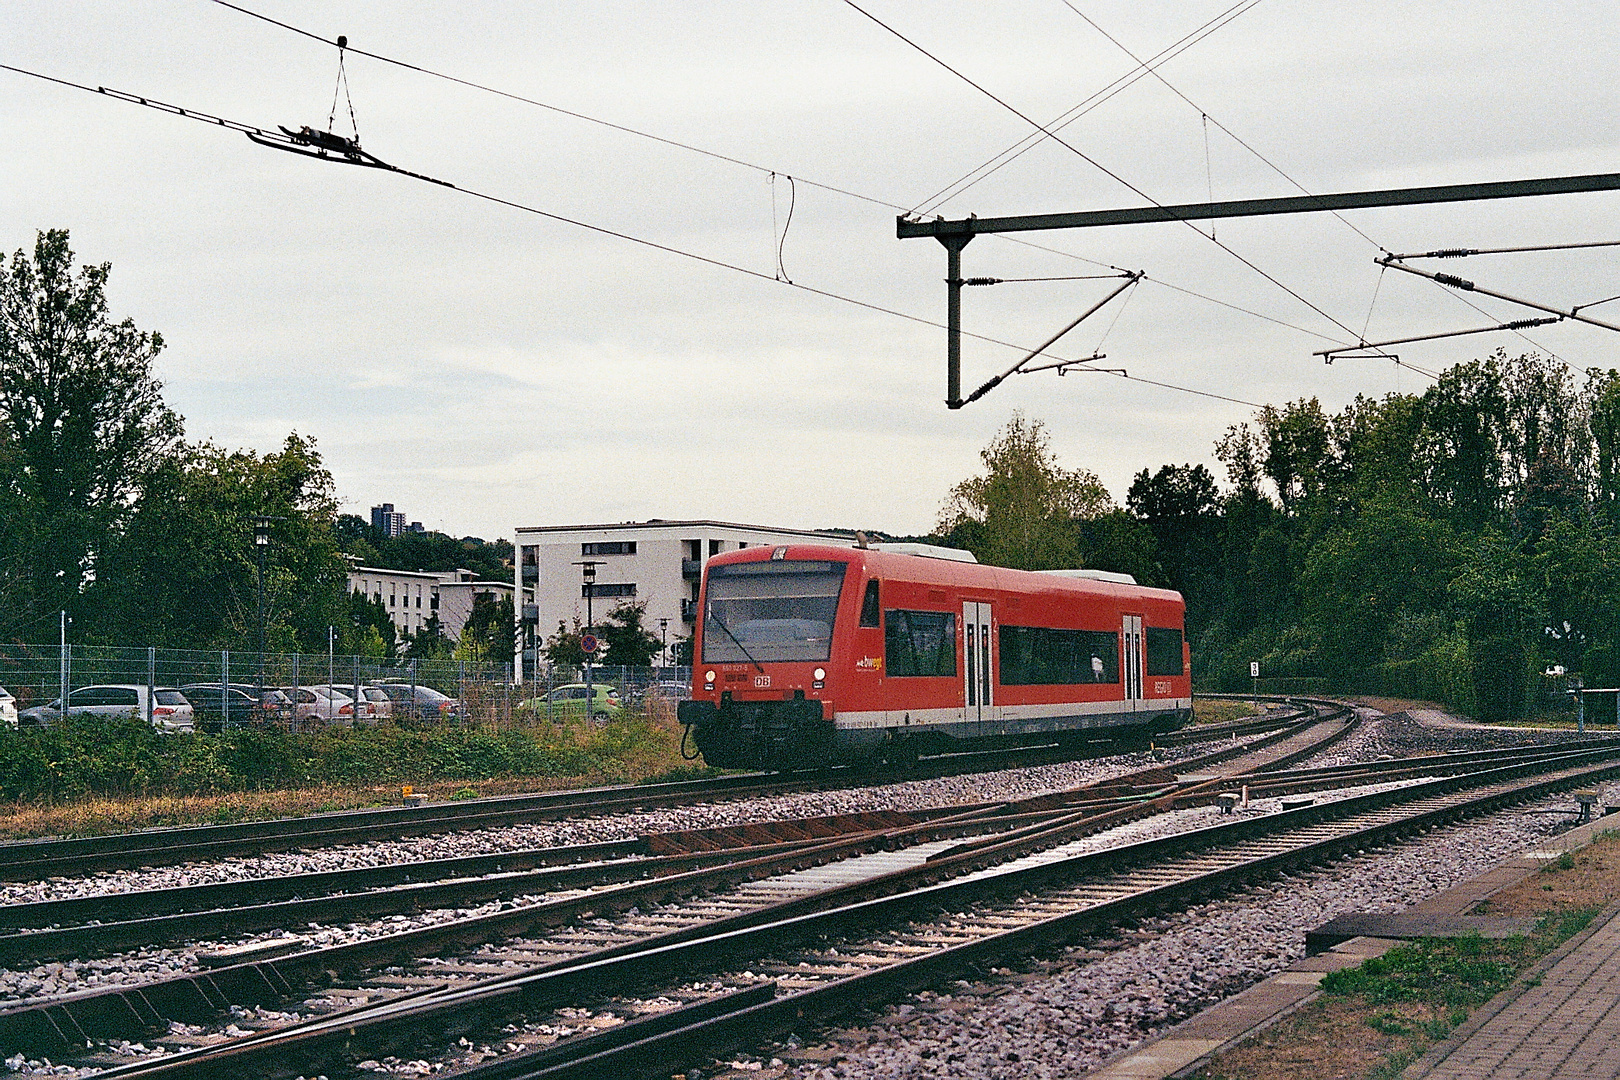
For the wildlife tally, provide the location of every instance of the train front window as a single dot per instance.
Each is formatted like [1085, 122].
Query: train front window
[781, 609]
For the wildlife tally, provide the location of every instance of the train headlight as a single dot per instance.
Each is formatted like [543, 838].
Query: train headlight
[819, 674]
[708, 677]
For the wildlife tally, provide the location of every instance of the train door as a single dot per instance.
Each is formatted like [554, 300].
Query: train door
[1130, 640]
[977, 668]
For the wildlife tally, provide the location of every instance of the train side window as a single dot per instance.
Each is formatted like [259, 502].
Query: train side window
[1045, 656]
[1163, 651]
[919, 643]
[870, 605]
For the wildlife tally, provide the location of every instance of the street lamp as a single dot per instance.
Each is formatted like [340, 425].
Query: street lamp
[588, 569]
[261, 544]
[663, 642]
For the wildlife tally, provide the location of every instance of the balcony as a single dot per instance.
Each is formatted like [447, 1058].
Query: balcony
[691, 569]
[688, 611]
[531, 573]
[531, 613]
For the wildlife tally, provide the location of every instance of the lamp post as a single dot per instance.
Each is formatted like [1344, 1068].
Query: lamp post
[663, 642]
[588, 570]
[261, 542]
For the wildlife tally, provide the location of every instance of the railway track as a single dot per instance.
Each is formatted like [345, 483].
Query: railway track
[742, 977]
[865, 877]
[33, 859]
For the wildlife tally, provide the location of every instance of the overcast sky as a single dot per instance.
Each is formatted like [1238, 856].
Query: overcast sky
[482, 367]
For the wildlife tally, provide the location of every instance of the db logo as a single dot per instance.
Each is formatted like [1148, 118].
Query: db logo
[762, 680]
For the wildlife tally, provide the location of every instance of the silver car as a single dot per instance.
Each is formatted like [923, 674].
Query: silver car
[168, 707]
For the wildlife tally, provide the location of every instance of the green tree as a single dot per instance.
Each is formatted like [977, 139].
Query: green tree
[490, 633]
[82, 417]
[628, 642]
[562, 649]
[1502, 609]
[1022, 512]
[183, 572]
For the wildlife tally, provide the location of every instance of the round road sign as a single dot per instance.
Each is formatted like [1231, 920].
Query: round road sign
[588, 644]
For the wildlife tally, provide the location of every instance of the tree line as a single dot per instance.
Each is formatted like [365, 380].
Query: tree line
[1456, 545]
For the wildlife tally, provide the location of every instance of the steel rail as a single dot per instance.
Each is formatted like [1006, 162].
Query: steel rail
[126, 1011]
[864, 904]
[33, 859]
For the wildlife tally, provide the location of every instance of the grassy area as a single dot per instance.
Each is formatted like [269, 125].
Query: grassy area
[1374, 1020]
[1207, 711]
[89, 778]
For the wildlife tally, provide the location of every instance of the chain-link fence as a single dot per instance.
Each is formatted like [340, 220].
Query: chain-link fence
[309, 690]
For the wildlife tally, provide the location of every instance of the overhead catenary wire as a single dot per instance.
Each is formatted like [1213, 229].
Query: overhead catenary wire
[1028, 142]
[1169, 53]
[1094, 163]
[1206, 119]
[252, 130]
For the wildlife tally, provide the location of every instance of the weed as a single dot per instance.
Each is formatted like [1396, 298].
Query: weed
[466, 793]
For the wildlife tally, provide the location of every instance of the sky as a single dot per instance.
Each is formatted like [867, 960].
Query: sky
[484, 367]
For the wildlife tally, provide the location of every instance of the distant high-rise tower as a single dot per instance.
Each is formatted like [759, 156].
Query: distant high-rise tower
[385, 521]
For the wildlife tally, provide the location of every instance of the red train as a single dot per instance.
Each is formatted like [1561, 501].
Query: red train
[810, 655]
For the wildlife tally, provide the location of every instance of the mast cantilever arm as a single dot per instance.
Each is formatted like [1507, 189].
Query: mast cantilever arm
[1131, 278]
[1520, 324]
[1468, 286]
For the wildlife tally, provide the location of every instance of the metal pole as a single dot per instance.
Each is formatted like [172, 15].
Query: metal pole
[590, 692]
[357, 697]
[62, 663]
[224, 689]
[331, 643]
[151, 679]
[414, 705]
[953, 317]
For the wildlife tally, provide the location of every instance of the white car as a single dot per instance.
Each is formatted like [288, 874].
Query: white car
[8, 708]
[322, 703]
[375, 706]
[168, 708]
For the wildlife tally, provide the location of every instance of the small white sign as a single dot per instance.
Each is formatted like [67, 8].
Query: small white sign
[1254, 669]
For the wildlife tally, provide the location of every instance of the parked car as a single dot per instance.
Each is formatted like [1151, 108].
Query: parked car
[668, 689]
[374, 706]
[8, 708]
[314, 703]
[567, 702]
[243, 705]
[425, 704]
[169, 709]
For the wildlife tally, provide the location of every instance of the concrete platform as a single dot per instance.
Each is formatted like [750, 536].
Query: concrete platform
[1590, 1008]
[1408, 925]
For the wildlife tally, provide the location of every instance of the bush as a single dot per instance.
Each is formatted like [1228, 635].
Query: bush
[126, 757]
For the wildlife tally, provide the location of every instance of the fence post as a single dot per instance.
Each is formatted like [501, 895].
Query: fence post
[224, 689]
[151, 679]
[297, 661]
[356, 688]
[414, 704]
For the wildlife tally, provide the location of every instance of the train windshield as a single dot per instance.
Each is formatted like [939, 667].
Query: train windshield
[771, 611]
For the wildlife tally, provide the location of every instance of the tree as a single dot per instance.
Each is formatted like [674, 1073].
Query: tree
[629, 644]
[563, 649]
[82, 419]
[490, 632]
[1022, 512]
[183, 572]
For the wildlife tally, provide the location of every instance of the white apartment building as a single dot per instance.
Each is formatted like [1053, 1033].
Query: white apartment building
[659, 562]
[407, 596]
[412, 598]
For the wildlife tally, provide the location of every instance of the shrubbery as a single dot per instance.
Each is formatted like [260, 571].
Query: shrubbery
[126, 757]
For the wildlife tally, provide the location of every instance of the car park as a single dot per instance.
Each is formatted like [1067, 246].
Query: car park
[165, 705]
[419, 702]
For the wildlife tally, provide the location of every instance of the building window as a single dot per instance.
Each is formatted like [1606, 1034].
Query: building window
[609, 547]
[608, 588]
[714, 547]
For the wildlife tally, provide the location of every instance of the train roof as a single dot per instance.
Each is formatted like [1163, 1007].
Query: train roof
[940, 570]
